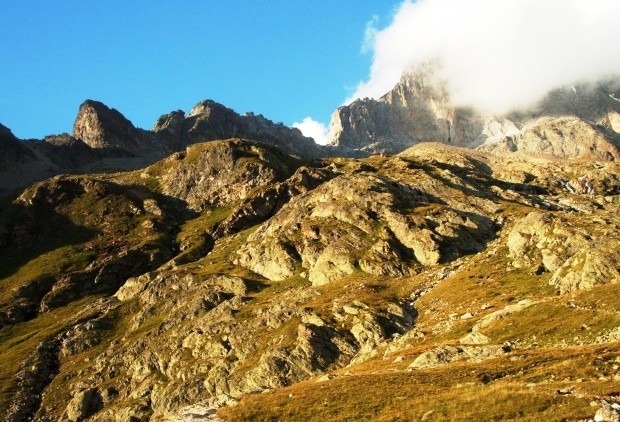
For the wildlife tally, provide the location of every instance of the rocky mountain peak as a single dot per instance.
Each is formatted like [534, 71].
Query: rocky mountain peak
[418, 109]
[416, 84]
[102, 127]
[206, 106]
[169, 128]
[210, 120]
[167, 120]
[5, 133]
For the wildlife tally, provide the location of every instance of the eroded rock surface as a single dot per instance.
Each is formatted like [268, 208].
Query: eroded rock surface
[577, 258]
[366, 221]
[221, 173]
[436, 259]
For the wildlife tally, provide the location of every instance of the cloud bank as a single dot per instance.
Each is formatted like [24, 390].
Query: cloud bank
[312, 128]
[497, 54]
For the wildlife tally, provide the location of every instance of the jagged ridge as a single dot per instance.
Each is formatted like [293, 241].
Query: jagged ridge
[418, 109]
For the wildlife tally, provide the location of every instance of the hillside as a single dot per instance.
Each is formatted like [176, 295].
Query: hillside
[439, 283]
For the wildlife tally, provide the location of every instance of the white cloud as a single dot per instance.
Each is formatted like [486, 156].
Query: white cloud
[497, 54]
[312, 128]
[370, 33]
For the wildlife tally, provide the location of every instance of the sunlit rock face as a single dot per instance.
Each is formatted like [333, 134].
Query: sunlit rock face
[418, 109]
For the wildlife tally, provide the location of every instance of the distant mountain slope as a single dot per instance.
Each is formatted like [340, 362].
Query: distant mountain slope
[579, 121]
[418, 109]
[104, 140]
[12, 151]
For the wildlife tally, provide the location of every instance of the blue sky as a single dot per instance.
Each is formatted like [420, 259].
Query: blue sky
[290, 60]
[284, 59]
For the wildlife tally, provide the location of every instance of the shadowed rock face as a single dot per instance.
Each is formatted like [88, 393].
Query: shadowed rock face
[12, 151]
[20, 164]
[66, 151]
[209, 120]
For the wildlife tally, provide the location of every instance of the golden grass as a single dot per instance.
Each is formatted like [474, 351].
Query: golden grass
[519, 387]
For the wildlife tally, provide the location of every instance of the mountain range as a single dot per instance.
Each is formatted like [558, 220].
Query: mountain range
[432, 263]
[577, 121]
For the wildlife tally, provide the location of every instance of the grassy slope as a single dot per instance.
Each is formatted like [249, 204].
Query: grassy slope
[522, 385]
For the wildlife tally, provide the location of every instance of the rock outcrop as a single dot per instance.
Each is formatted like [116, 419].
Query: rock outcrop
[418, 109]
[84, 404]
[35, 373]
[444, 355]
[577, 258]
[578, 121]
[219, 173]
[209, 120]
[365, 221]
[104, 128]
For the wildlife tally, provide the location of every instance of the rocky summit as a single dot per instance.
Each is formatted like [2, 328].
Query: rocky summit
[569, 121]
[104, 140]
[226, 275]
